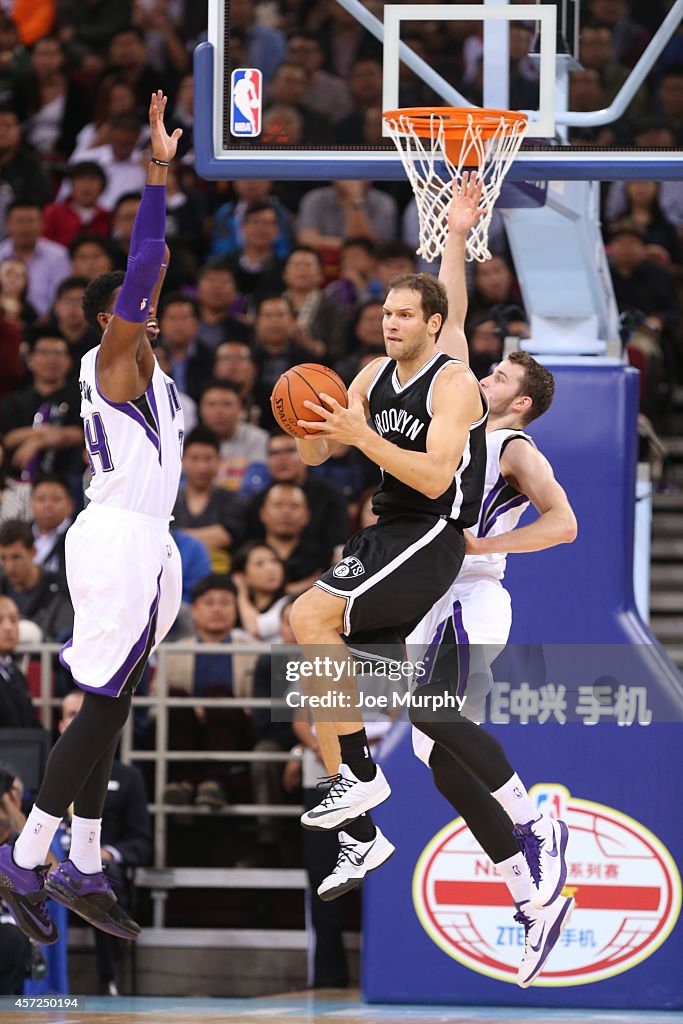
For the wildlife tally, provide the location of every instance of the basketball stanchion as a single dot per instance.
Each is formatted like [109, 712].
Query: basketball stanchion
[436, 145]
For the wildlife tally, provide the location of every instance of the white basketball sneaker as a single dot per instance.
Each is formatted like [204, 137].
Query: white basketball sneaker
[544, 845]
[355, 861]
[347, 799]
[542, 929]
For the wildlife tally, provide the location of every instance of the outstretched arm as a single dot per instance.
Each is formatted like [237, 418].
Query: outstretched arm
[531, 473]
[152, 322]
[463, 214]
[125, 362]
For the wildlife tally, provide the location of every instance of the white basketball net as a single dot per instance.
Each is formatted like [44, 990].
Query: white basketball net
[424, 158]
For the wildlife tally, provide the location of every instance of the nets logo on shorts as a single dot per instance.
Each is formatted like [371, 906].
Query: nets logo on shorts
[625, 883]
[349, 566]
[246, 93]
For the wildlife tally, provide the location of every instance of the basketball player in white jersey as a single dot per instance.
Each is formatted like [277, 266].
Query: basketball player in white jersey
[475, 617]
[123, 571]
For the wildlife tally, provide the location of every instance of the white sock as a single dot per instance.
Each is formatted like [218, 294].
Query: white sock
[516, 802]
[515, 872]
[30, 849]
[85, 850]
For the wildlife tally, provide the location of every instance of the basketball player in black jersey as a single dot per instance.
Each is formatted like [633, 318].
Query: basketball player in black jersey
[420, 416]
[470, 760]
[469, 767]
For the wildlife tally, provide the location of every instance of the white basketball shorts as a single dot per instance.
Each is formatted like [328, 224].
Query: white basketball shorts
[481, 614]
[125, 581]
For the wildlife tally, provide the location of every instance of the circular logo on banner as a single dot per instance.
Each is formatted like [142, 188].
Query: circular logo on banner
[624, 881]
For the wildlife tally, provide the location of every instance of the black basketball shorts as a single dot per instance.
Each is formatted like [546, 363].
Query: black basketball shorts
[392, 573]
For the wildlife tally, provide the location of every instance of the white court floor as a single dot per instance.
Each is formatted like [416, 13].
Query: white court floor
[303, 1008]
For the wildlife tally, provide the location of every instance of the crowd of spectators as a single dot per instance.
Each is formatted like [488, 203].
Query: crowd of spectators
[263, 275]
[74, 85]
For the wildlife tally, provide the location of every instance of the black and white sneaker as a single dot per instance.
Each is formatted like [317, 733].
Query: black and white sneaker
[346, 800]
[355, 861]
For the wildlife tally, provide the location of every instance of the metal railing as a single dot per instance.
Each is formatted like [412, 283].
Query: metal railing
[160, 703]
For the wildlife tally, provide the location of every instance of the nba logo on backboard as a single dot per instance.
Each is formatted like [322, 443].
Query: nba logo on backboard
[246, 93]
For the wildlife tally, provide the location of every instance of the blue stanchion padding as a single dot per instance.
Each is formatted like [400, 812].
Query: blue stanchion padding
[636, 771]
[619, 786]
[583, 592]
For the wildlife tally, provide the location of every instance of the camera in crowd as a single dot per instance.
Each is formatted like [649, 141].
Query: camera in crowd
[503, 316]
[629, 322]
[7, 777]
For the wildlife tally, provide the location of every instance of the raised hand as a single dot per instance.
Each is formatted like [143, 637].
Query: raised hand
[164, 146]
[465, 210]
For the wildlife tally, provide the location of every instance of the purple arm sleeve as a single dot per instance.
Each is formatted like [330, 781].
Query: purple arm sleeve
[132, 302]
[150, 221]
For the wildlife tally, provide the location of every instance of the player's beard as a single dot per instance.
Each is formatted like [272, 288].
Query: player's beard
[409, 351]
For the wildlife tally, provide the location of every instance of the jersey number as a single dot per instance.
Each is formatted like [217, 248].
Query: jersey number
[96, 443]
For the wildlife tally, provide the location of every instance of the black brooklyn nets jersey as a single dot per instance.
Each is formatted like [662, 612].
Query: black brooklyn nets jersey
[402, 414]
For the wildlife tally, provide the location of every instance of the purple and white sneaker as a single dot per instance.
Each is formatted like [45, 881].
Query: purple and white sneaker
[23, 890]
[92, 898]
[542, 929]
[544, 845]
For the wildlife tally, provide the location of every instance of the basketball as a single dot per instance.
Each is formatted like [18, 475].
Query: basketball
[301, 384]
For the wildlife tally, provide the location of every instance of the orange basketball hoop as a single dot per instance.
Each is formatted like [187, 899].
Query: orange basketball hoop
[457, 138]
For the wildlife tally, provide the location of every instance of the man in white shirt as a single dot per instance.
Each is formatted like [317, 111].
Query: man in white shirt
[120, 159]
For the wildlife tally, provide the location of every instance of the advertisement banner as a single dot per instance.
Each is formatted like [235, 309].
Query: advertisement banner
[438, 920]
[588, 709]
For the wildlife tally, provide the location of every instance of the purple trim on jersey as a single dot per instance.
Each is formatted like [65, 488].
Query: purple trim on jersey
[129, 409]
[114, 686]
[520, 499]
[463, 648]
[65, 647]
[491, 497]
[429, 657]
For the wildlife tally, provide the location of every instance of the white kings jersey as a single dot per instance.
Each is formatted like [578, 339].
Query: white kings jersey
[134, 448]
[501, 509]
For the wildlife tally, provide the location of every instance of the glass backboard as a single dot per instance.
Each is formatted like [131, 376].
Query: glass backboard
[314, 80]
